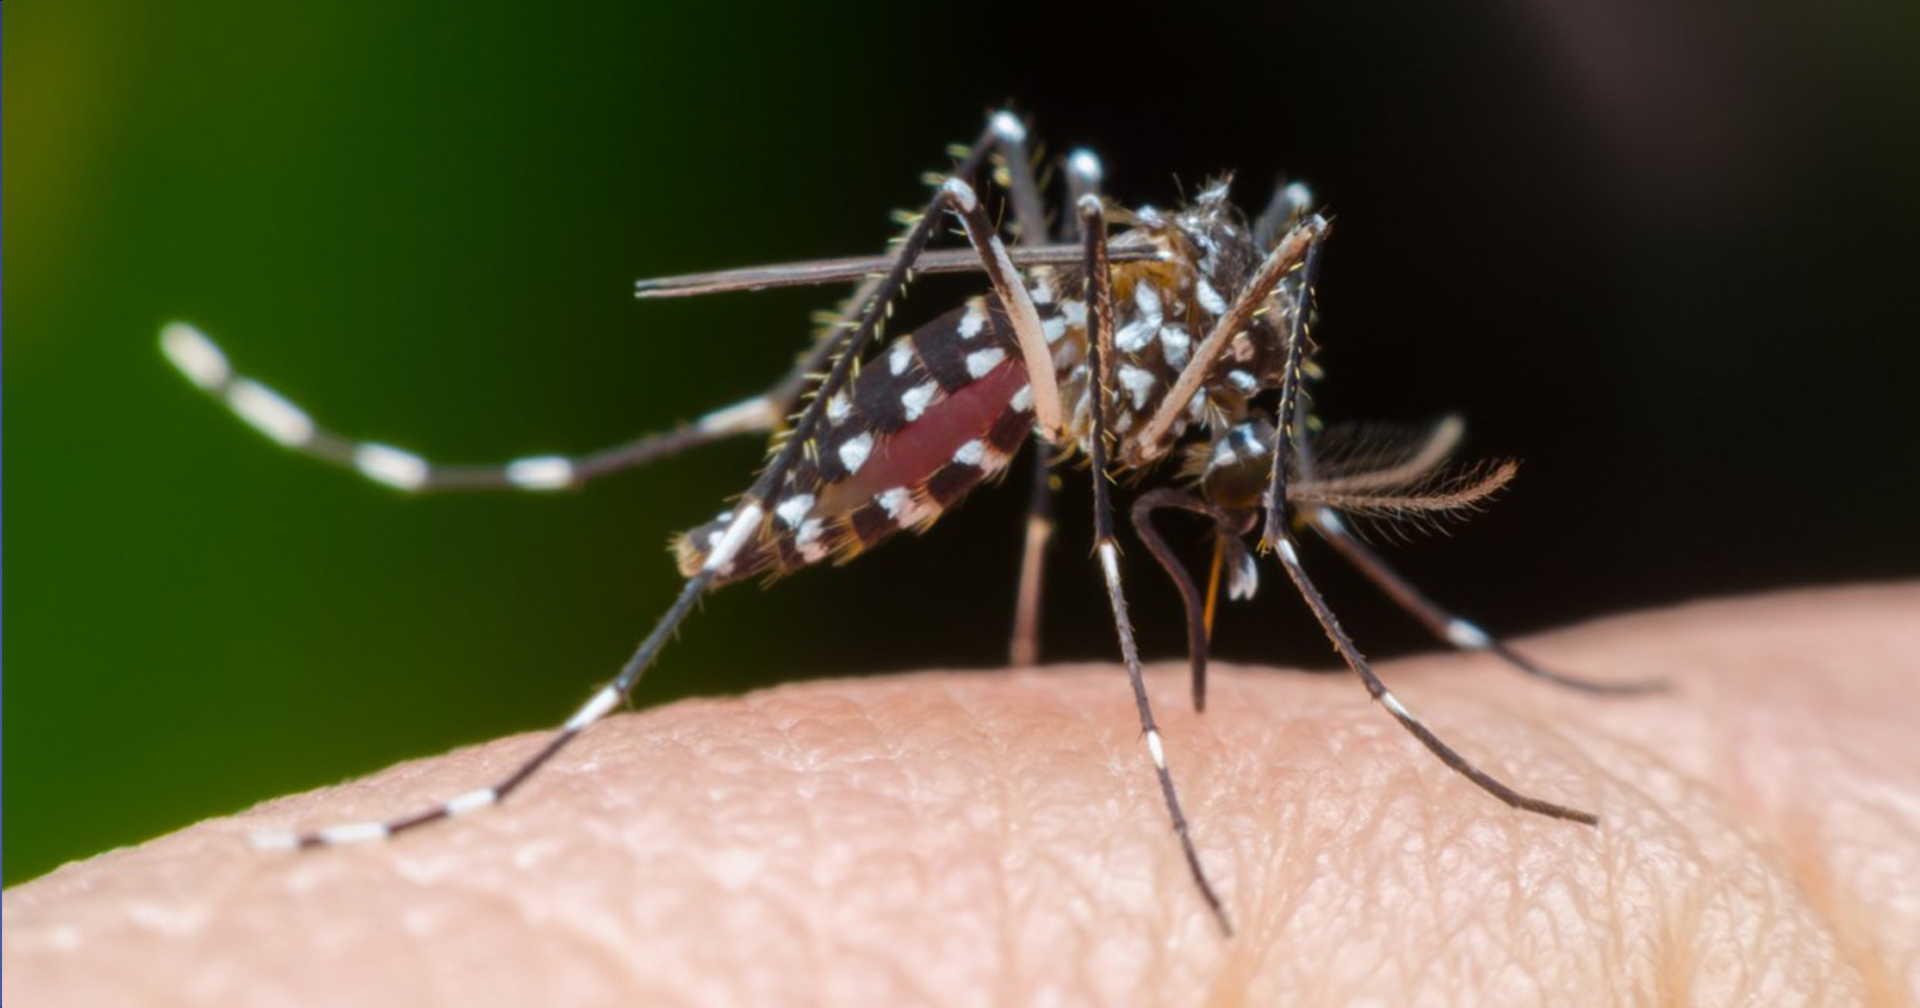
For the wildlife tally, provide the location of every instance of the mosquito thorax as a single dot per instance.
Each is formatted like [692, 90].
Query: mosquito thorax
[1163, 309]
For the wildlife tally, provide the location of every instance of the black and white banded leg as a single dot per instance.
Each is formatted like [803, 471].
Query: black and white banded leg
[1290, 201]
[202, 361]
[1289, 431]
[1083, 179]
[1454, 630]
[1289, 436]
[1350, 653]
[1030, 220]
[1084, 175]
[749, 511]
[1099, 343]
[267, 411]
[1013, 165]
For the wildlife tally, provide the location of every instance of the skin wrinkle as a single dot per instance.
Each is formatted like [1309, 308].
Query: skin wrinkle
[1759, 828]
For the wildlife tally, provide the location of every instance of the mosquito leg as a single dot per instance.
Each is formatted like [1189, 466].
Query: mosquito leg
[1152, 440]
[1290, 201]
[1024, 649]
[1197, 636]
[204, 364]
[1378, 690]
[1017, 302]
[1083, 179]
[1450, 628]
[202, 361]
[749, 513]
[1010, 152]
[1100, 318]
[1290, 431]
[1030, 220]
[1084, 174]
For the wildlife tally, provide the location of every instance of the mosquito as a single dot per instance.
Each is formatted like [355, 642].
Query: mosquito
[1123, 342]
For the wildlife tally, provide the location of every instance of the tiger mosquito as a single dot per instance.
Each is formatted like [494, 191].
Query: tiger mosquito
[1183, 336]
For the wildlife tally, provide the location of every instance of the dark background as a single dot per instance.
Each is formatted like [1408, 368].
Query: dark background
[1666, 258]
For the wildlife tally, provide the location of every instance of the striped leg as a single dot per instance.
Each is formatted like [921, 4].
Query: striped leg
[202, 361]
[1014, 172]
[1100, 319]
[1289, 440]
[1290, 202]
[1378, 690]
[1083, 179]
[1017, 302]
[1450, 628]
[204, 364]
[1030, 219]
[1084, 175]
[1290, 420]
[749, 513]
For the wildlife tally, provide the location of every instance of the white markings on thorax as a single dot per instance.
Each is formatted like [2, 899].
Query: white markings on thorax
[1175, 344]
[1210, 299]
[1145, 324]
[1138, 383]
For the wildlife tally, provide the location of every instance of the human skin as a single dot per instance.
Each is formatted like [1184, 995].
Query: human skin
[998, 838]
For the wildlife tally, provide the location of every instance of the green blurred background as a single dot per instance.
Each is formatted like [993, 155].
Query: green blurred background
[1666, 258]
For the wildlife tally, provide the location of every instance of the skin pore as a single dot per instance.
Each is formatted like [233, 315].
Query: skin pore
[997, 838]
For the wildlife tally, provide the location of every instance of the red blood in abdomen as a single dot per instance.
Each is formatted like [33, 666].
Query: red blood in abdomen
[914, 452]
